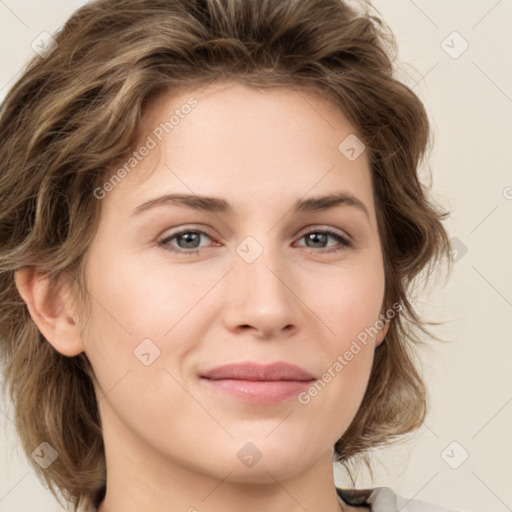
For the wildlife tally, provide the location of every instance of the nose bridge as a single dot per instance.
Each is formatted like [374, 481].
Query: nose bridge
[258, 265]
[261, 293]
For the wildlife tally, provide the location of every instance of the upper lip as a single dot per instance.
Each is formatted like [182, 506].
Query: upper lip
[256, 371]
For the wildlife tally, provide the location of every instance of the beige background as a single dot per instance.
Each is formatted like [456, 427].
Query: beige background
[469, 97]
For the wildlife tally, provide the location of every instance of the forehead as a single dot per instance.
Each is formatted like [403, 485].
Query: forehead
[238, 142]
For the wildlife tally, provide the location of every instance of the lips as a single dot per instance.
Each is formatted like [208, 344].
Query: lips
[256, 383]
[259, 372]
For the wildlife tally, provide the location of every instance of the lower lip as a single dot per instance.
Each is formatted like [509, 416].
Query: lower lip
[261, 391]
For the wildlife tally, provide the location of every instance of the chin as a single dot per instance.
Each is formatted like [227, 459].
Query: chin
[264, 472]
[262, 460]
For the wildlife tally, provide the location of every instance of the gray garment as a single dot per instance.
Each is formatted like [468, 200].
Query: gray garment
[383, 499]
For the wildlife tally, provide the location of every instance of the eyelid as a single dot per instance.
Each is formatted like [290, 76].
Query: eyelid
[321, 227]
[305, 230]
[187, 229]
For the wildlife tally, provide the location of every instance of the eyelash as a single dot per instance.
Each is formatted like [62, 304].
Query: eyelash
[185, 252]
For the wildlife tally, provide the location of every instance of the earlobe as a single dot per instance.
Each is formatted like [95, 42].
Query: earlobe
[51, 310]
[382, 333]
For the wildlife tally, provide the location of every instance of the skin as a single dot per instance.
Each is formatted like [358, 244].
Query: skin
[171, 443]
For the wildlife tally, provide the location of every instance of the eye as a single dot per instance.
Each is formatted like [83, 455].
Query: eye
[188, 241]
[320, 237]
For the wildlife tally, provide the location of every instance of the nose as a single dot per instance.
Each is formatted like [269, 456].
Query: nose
[260, 297]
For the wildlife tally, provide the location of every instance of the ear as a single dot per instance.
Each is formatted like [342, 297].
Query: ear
[51, 310]
[382, 333]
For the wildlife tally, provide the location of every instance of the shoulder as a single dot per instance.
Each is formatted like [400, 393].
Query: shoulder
[384, 499]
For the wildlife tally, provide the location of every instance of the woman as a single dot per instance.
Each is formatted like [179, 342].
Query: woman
[208, 241]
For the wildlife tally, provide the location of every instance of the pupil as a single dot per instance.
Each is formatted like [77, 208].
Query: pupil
[189, 239]
[315, 236]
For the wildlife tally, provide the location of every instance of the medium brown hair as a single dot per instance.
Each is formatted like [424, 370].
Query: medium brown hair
[75, 113]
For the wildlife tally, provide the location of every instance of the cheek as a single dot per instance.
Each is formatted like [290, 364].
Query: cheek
[345, 374]
[144, 320]
[151, 297]
[347, 300]
[135, 300]
[349, 304]
[337, 394]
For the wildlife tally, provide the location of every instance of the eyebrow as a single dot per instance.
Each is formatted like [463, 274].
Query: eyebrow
[219, 205]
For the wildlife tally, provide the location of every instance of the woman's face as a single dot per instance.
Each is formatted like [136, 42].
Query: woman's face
[181, 287]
